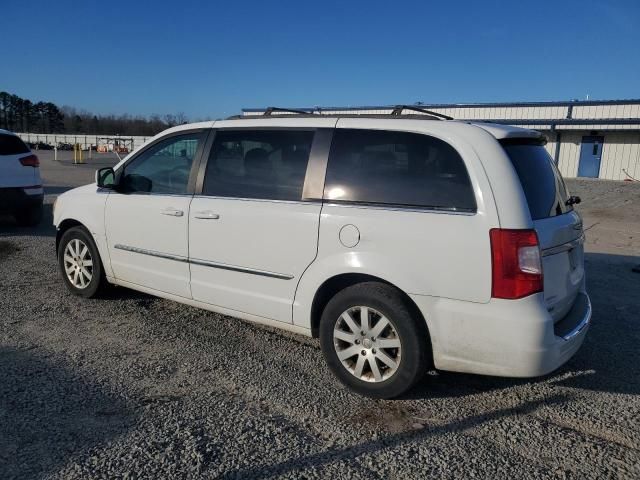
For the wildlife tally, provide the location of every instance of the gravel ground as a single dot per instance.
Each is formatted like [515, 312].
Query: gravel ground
[134, 386]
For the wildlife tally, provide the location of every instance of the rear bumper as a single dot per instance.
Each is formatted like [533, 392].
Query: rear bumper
[17, 198]
[510, 338]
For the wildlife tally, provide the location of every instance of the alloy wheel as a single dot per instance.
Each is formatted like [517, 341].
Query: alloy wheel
[78, 264]
[367, 344]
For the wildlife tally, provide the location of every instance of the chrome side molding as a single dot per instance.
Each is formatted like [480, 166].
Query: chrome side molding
[204, 263]
[234, 268]
[151, 253]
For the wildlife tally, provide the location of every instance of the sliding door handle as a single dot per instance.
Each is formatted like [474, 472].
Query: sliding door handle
[206, 215]
[173, 212]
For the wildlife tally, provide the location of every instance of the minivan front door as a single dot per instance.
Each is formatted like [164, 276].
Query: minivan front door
[251, 236]
[146, 219]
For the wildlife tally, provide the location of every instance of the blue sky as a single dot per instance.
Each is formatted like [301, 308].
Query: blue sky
[213, 58]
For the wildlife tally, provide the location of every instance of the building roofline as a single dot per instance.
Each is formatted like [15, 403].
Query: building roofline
[563, 121]
[564, 103]
[495, 121]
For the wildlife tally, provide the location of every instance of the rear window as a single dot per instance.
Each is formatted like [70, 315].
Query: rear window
[397, 168]
[541, 181]
[11, 145]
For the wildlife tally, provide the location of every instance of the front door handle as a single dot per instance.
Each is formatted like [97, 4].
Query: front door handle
[206, 215]
[172, 212]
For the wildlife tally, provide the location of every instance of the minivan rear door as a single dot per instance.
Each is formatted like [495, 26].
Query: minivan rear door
[558, 226]
[251, 232]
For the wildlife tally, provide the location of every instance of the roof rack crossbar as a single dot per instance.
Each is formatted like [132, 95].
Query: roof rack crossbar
[270, 110]
[399, 108]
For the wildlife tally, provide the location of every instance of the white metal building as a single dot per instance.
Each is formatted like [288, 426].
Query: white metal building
[85, 140]
[598, 138]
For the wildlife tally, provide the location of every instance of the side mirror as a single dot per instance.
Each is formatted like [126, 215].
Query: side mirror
[106, 177]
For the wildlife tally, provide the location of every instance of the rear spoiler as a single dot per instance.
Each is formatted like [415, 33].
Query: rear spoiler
[538, 141]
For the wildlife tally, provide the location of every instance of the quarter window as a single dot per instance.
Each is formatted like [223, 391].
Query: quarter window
[261, 164]
[397, 168]
[541, 181]
[12, 145]
[163, 168]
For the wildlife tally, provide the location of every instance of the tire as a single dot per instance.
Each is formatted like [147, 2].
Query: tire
[81, 270]
[29, 216]
[404, 340]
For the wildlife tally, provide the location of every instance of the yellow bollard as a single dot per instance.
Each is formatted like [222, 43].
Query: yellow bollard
[77, 154]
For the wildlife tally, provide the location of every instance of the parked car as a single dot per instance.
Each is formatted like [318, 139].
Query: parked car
[40, 146]
[402, 243]
[21, 192]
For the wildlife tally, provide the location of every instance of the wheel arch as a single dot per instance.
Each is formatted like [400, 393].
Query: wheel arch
[65, 225]
[336, 283]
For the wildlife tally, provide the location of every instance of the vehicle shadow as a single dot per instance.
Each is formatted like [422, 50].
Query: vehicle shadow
[49, 414]
[346, 454]
[609, 359]
[9, 228]
[56, 190]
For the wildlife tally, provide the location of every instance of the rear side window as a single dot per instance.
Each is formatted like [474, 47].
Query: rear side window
[12, 145]
[261, 164]
[397, 168]
[541, 181]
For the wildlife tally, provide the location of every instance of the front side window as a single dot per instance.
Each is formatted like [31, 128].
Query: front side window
[163, 168]
[261, 164]
[397, 168]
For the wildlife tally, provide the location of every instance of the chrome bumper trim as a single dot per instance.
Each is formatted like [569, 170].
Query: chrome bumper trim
[582, 325]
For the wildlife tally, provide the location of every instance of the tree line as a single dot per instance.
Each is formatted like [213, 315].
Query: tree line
[25, 116]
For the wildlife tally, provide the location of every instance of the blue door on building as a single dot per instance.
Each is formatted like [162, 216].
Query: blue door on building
[590, 155]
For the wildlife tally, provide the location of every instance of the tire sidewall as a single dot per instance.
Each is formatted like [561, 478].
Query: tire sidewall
[413, 360]
[84, 236]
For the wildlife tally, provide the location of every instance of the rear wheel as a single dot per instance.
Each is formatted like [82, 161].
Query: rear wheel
[80, 263]
[29, 216]
[372, 342]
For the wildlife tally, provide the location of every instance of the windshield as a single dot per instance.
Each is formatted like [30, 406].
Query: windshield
[541, 181]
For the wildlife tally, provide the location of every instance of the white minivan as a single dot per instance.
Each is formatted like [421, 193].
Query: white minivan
[404, 242]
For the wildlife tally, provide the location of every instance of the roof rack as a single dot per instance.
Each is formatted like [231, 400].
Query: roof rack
[270, 110]
[396, 112]
[399, 108]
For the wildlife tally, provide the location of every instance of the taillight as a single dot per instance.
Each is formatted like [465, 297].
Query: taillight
[515, 262]
[30, 161]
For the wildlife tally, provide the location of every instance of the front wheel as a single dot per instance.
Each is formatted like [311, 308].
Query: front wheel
[79, 263]
[372, 342]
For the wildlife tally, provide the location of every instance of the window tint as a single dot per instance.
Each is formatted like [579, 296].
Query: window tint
[12, 145]
[164, 168]
[267, 164]
[397, 168]
[541, 181]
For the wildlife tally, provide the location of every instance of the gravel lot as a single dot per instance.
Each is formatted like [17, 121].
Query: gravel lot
[134, 386]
